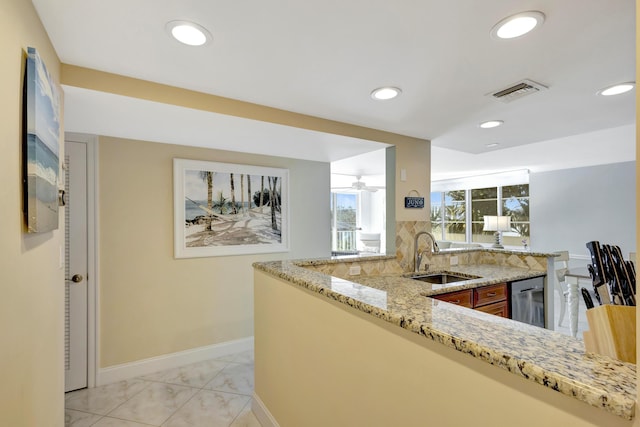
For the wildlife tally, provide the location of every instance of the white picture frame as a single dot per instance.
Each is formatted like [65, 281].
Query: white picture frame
[212, 220]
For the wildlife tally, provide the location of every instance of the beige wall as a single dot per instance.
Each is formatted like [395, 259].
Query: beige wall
[31, 284]
[415, 158]
[152, 304]
[321, 363]
[201, 310]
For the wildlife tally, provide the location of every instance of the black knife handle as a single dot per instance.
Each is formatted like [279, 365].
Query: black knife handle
[593, 277]
[587, 298]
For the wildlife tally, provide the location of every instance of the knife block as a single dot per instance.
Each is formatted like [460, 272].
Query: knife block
[612, 332]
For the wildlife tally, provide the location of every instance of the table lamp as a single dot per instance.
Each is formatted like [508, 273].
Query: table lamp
[497, 224]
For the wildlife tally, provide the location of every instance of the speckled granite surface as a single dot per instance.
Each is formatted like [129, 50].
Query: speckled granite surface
[546, 357]
[374, 265]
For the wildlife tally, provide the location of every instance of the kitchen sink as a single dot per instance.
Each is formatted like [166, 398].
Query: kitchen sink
[442, 278]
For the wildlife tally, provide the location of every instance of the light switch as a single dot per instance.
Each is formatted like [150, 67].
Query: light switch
[403, 174]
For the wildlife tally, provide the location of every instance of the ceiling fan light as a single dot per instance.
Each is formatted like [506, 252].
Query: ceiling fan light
[361, 186]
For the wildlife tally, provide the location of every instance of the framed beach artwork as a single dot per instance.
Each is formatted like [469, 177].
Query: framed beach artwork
[41, 122]
[223, 209]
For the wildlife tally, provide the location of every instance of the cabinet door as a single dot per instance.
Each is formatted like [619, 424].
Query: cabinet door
[489, 294]
[461, 298]
[497, 309]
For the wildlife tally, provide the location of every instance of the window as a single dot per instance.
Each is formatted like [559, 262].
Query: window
[484, 201]
[436, 213]
[455, 214]
[458, 215]
[344, 221]
[448, 215]
[515, 203]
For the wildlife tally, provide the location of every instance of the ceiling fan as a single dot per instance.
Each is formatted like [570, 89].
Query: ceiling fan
[359, 186]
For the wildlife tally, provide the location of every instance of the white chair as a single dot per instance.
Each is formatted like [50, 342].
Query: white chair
[370, 242]
[562, 266]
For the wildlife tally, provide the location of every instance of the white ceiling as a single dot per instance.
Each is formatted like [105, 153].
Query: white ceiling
[100, 113]
[323, 58]
[605, 146]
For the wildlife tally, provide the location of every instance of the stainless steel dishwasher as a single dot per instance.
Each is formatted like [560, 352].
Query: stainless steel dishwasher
[527, 301]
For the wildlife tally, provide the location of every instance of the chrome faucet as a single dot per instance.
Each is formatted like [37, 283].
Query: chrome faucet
[417, 257]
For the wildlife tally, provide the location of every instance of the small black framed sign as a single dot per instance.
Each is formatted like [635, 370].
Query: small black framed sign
[411, 202]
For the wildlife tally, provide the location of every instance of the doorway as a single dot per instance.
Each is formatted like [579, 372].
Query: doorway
[79, 345]
[359, 204]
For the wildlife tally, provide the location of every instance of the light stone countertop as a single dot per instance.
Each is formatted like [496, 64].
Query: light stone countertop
[546, 357]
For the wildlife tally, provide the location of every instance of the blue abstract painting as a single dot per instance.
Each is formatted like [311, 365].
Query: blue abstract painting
[42, 146]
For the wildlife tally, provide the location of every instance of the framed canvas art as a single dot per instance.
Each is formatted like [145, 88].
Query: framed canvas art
[223, 209]
[41, 146]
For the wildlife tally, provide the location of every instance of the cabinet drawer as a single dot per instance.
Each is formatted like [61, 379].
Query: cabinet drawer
[497, 309]
[489, 294]
[462, 298]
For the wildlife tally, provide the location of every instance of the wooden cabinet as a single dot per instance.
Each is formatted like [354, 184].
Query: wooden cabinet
[489, 294]
[489, 299]
[461, 298]
[497, 309]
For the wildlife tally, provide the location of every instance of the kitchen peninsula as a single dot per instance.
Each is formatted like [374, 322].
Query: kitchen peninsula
[337, 348]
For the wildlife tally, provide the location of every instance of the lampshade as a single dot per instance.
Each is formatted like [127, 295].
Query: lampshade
[497, 223]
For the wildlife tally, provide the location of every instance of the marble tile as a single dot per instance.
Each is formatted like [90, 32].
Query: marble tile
[115, 422]
[227, 358]
[246, 418]
[243, 357]
[156, 398]
[79, 419]
[210, 409]
[101, 400]
[235, 378]
[194, 375]
[154, 404]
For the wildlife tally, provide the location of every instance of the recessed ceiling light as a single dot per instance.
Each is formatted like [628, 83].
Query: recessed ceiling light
[387, 92]
[491, 124]
[617, 89]
[188, 33]
[517, 25]
[495, 144]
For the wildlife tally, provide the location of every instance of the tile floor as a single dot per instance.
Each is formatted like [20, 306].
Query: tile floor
[213, 393]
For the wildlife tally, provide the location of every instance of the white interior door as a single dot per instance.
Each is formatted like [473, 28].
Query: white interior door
[76, 289]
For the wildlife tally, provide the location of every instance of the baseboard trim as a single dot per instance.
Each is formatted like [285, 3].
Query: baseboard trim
[262, 413]
[125, 371]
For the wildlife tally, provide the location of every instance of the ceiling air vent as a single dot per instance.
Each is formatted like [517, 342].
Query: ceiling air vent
[518, 90]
